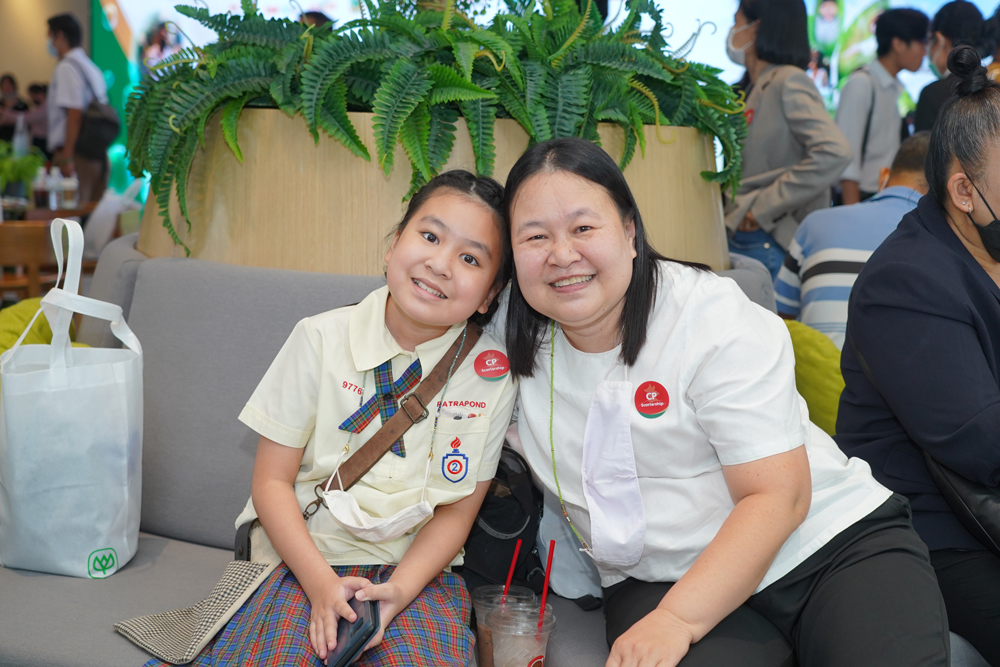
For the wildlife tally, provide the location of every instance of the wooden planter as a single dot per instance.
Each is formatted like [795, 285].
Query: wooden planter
[293, 204]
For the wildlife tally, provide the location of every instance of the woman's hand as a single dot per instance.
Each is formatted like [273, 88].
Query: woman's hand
[330, 603]
[748, 223]
[391, 600]
[660, 639]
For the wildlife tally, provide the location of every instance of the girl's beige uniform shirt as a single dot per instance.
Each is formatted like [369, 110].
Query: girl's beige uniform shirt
[315, 384]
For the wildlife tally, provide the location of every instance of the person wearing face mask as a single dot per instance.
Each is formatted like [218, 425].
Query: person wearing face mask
[957, 22]
[833, 244]
[868, 113]
[76, 81]
[793, 151]
[924, 316]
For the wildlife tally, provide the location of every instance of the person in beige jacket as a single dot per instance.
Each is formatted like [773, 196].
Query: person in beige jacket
[794, 151]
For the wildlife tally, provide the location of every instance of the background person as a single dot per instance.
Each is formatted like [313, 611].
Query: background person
[75, 82]
[833, 244]
[957, 22]
[10, 105]
[925, 315]
[868, 113]
[793, 151]
[659, 405]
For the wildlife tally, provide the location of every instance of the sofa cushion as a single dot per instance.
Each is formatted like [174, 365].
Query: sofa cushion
[209, 332]
[62, 621]
[114, 282]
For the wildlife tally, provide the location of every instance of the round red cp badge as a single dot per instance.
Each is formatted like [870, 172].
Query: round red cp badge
[492, 365]
[651, 399]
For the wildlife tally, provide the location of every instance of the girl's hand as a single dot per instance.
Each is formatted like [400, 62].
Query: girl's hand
[660, 639]
[329, 605]
[391, 601]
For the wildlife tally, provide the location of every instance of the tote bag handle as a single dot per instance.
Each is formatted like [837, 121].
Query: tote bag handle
[60, 304]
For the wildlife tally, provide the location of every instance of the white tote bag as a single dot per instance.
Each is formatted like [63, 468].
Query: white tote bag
[71, 439]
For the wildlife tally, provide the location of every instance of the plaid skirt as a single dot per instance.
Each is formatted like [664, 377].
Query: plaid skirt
[272, 626]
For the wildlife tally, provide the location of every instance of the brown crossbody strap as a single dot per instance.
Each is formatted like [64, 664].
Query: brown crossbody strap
[413, 408]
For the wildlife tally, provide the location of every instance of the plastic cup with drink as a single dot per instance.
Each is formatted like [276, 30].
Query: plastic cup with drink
[484, 600]
[520, 636]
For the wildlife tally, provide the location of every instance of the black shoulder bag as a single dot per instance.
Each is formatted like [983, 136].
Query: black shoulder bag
[100, 124]
[976, 505]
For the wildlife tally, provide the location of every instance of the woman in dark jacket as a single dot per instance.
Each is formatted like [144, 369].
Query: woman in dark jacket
[924, 316]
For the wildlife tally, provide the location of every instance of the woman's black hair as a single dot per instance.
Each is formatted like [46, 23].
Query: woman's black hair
[962, 23]
[782, 33]
[909, 25]
[9, 77]
[526, 326]
[483, 189]
[967, 126]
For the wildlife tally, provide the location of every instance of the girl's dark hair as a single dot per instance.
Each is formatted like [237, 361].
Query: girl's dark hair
[967, 126]
[485, 190]
[962, 23]
[9, 77]
[526, 326]
[782, 35]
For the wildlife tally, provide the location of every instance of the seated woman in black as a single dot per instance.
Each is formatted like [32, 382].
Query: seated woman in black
[925, 316]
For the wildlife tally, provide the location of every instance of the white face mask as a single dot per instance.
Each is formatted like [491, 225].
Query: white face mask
[52, 48]
[738, 56]
[610, 482]
[345, 509]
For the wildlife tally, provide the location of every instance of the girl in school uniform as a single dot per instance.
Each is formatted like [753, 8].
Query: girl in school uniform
[398, 530]
[658, 404]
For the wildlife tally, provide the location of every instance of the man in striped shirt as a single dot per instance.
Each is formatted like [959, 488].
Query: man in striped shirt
[832, 244]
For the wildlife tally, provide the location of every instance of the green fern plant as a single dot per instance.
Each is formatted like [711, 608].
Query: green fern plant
[418, 65]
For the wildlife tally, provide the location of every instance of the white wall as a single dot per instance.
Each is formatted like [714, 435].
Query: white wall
[22, 37]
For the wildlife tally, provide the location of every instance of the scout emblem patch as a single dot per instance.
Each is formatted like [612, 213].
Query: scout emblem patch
[492, 365]
[651, 399]
[455, 466]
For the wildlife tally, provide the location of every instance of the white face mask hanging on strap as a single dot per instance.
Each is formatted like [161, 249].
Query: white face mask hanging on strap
[361, 524]
[610, 482]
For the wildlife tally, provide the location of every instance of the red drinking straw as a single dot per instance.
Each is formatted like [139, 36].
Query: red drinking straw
[545, 589]
[510, 574]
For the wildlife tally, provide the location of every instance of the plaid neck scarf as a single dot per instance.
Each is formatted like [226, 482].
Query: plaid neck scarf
[383, 403]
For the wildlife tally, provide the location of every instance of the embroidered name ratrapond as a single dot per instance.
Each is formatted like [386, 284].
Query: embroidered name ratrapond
[462, 404]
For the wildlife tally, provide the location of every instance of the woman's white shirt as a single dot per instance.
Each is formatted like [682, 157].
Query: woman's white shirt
[728, 370]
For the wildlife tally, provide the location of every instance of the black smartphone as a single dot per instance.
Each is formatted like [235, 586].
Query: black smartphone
[352, 637]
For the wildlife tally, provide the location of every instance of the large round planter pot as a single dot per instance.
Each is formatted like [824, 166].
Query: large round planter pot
[293, 204]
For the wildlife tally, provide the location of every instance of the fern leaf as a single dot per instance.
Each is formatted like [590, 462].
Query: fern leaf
[481, 115]
[557, 56]
[440, 136]
[623, 58]
[567, 99]
[514, 107]
[414, 134]
[403, 88]
[464, 54]
[182, 168]
[329, 61]
[536, 83]
[230, 117]
[249, 7]
[449, 86]
[363, 80]
[500, 47]
[332, 118]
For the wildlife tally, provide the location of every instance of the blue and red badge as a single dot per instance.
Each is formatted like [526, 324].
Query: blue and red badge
[492, 365]
[455, 465]
[651, 399]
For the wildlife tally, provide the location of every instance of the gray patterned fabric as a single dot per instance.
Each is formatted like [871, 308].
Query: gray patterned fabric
[114, 282]
[178, 636]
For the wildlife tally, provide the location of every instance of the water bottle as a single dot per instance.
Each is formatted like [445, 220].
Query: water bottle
[70, 192]
[22, 141]
[40, 188]
[54, 185]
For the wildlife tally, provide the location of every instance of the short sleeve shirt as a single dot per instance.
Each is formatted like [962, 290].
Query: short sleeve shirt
[69, 90]
[322, 375]
[722, 370]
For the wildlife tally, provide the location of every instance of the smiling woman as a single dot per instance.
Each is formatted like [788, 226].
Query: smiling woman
[687, 467]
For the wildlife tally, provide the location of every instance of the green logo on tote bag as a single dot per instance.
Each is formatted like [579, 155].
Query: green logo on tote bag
[102, 563]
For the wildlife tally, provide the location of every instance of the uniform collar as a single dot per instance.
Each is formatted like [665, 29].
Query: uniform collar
[885, 80]
[373, 345]
[899, 192]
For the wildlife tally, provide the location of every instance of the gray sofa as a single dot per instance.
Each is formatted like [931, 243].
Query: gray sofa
[209, 331]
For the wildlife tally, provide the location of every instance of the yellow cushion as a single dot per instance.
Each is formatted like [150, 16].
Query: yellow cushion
[14, 319]
[817, 374]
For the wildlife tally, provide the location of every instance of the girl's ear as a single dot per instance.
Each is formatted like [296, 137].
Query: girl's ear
[392, 247]
[630, 234]
[485, 305]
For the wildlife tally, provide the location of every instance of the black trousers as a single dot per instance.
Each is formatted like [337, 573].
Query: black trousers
[970, 583]
[868, 597]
